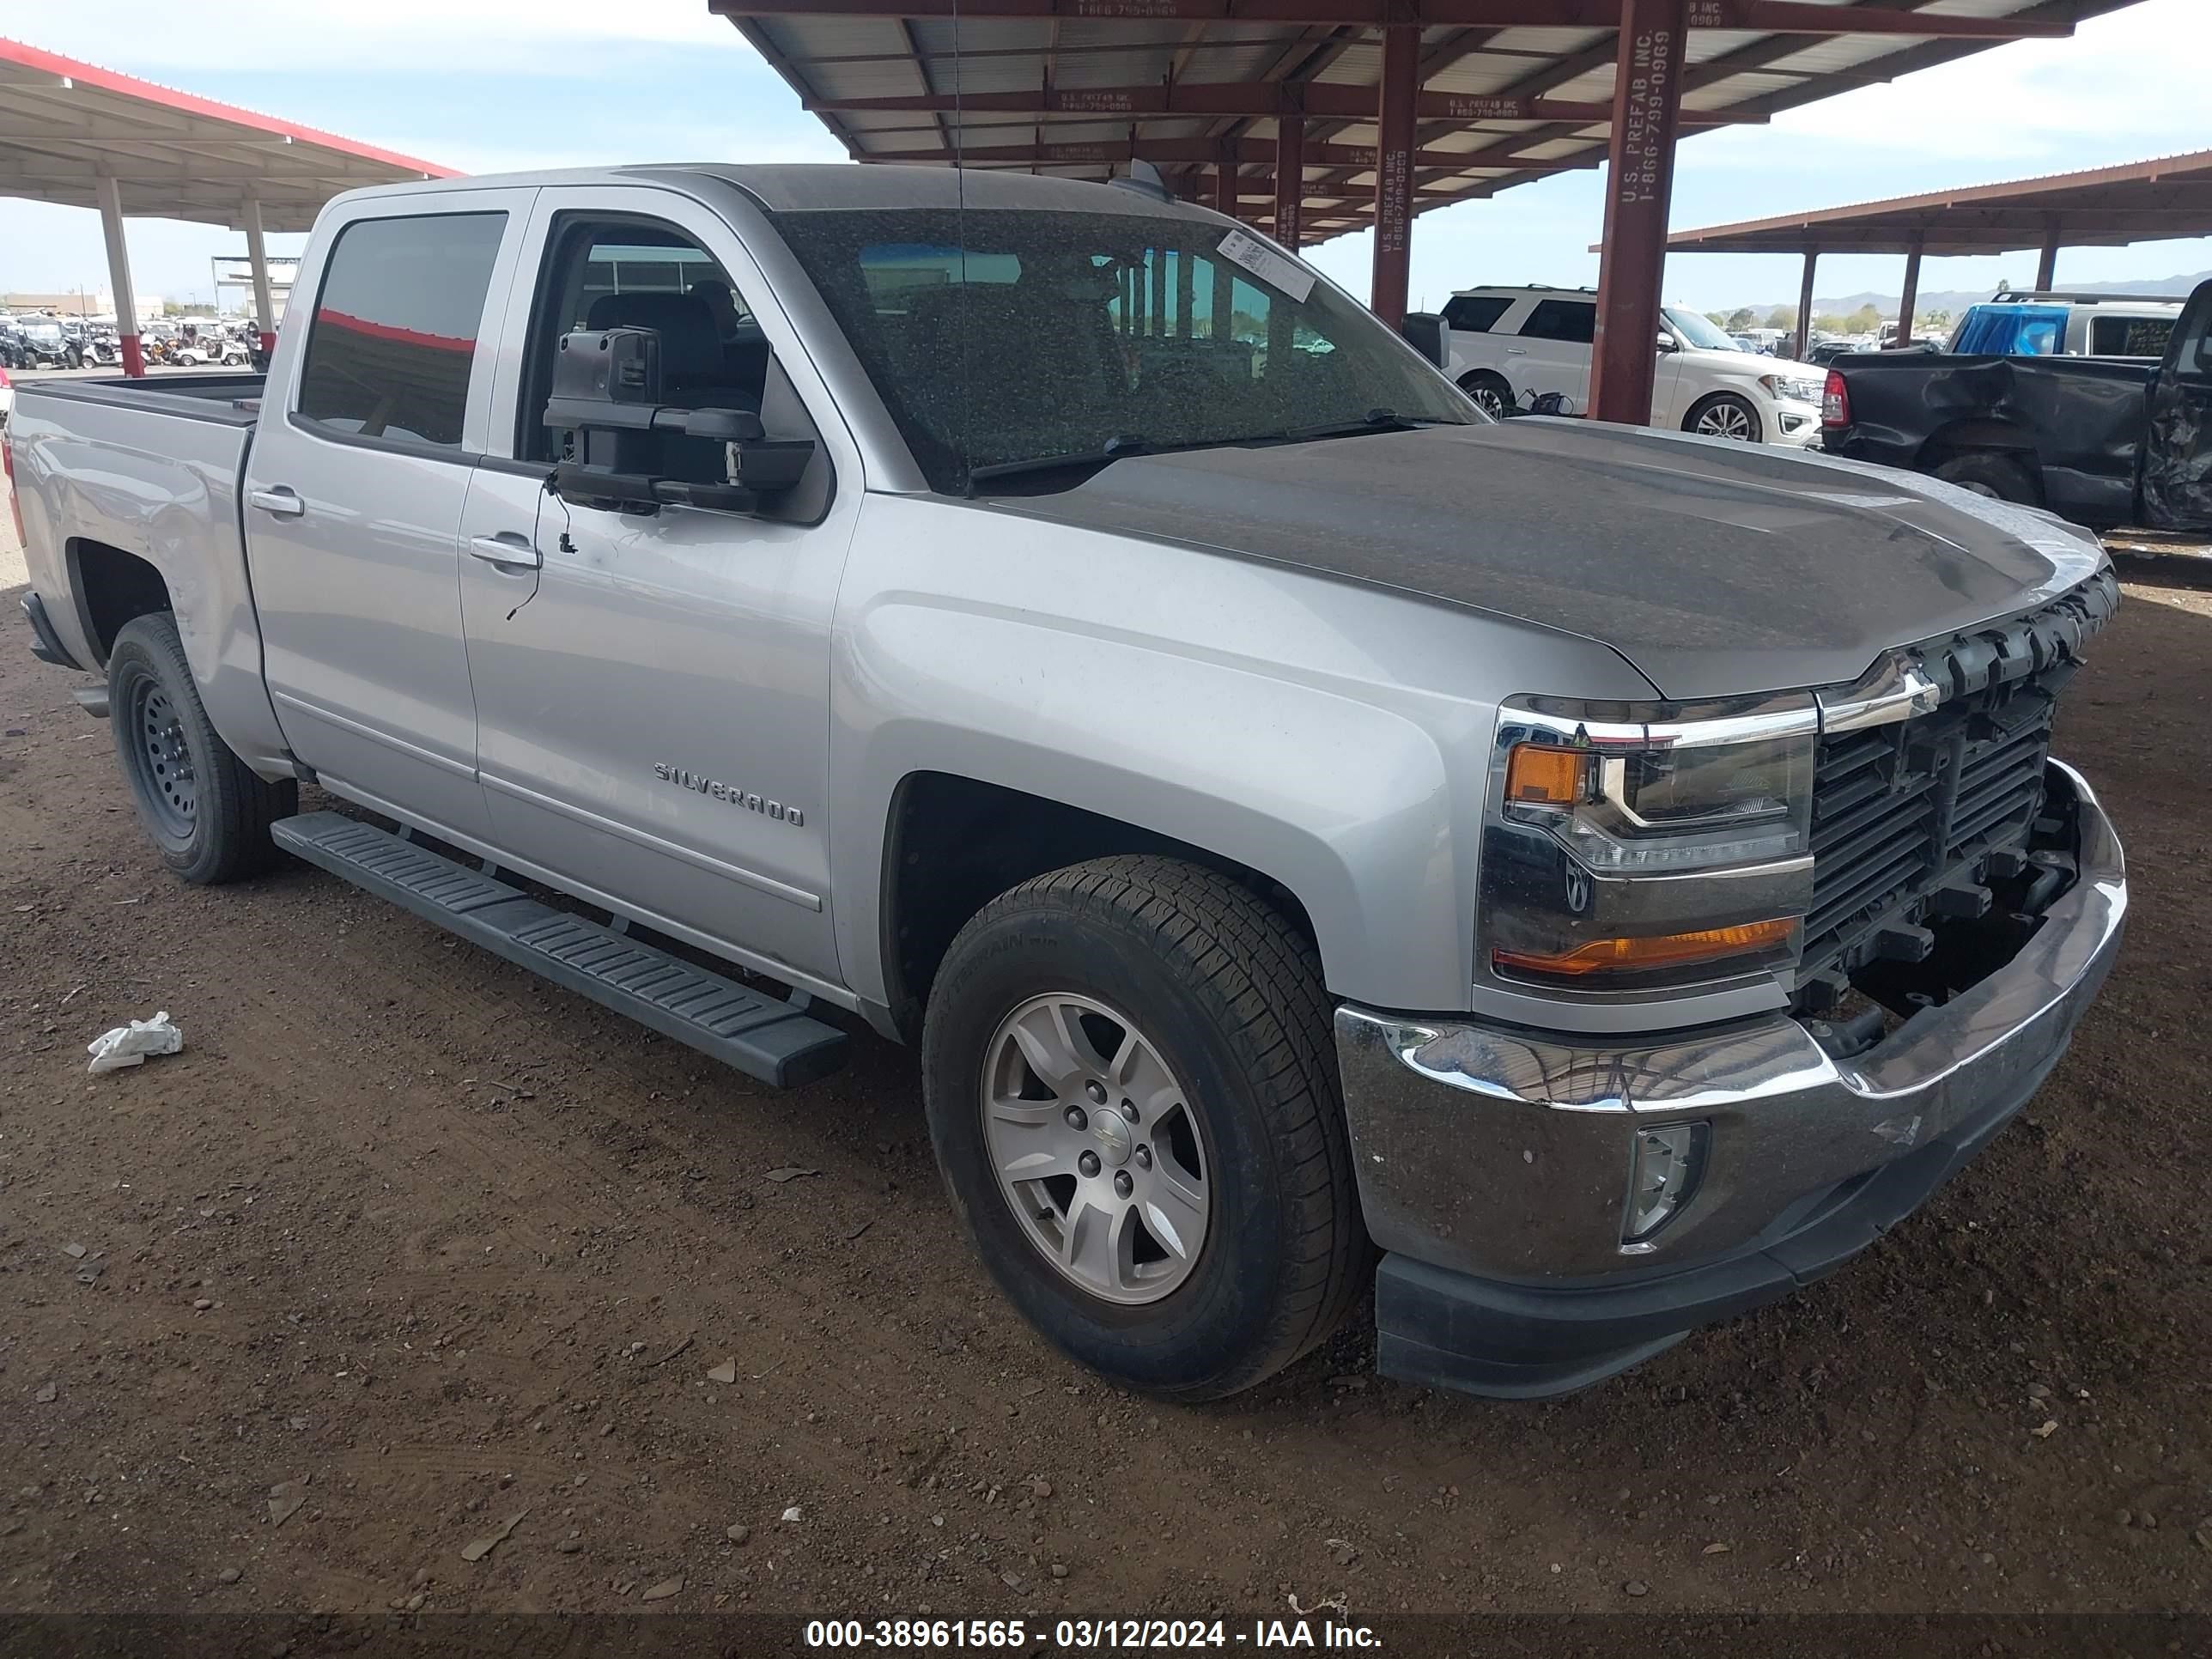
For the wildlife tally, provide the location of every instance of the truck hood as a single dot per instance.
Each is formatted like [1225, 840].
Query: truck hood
[1716, 568]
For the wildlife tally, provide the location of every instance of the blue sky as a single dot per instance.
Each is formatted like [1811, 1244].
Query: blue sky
[486, 85]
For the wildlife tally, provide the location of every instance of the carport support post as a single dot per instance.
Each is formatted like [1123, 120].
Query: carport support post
[1394, 173]
[2046, 270]
[1805, 304]
[1290, 178]
[119, 274]
[1647, 109]
[256, 255]
[1911, 302]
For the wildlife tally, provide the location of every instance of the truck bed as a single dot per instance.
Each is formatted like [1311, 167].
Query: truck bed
[228, 396]
[2079, 419]
[111, 471]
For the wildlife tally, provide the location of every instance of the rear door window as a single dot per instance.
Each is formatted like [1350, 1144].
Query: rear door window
[2130, 336]
[1572, 322]
[1475, 313]
[394, 333]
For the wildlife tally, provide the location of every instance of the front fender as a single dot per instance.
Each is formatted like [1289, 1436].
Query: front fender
[1331, 736]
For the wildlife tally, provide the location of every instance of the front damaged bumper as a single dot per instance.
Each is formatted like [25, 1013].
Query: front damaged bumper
[1493, 1162]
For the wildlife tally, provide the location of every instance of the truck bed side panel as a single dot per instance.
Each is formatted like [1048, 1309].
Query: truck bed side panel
[2080, 419]
[156, 475]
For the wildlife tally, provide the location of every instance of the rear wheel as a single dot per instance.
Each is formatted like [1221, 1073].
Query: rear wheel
[1990, 473]
[1131, 1088]
[1724, 415]
[207, 812]
[1490, 392]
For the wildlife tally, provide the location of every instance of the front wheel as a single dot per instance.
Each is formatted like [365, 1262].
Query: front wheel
[1724, 415]
[1490, 391]
[1131, 1088]
[207, 812]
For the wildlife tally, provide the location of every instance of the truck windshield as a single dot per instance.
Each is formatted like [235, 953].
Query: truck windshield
[1033, 334]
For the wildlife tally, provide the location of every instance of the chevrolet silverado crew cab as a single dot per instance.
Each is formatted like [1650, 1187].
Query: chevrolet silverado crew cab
[1618, 875]
[1512, 346]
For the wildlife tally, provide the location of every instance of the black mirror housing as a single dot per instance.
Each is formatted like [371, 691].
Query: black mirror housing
[728, 426]
[1425, 331]
[607, 399]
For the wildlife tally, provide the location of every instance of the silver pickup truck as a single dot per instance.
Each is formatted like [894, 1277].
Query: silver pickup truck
[1618, 875]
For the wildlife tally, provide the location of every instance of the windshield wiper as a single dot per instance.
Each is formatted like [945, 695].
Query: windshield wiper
[1113, 449]
[1374, 420]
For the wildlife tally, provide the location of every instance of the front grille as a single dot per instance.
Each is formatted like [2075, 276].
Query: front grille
[1903, 811]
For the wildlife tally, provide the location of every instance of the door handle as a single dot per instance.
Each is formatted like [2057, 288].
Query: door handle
[1517, 351]
[281, 501]
[509, 550]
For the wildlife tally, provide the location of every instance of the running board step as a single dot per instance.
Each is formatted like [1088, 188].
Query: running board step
[759, 1035]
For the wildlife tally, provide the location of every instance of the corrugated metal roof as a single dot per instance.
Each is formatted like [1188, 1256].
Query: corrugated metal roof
[2142, 201]
[830, 56]
[64, 124]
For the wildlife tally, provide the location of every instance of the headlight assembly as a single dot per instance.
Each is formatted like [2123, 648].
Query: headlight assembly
[1792, 389]
[1640, 849]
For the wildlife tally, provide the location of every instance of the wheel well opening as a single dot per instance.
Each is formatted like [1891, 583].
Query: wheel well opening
[113, 587]
[1977, 437]
[955, 844]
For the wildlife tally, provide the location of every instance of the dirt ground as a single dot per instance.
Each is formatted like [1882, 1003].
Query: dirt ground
[411, 1238]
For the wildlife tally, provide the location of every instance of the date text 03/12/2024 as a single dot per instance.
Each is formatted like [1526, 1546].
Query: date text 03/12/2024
[1085, 1635]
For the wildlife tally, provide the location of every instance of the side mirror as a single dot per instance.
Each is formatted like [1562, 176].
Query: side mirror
[1425, 331]
[1666, 342]
[726, 426]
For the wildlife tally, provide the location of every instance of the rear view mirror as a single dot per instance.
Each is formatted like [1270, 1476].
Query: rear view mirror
[1425, 331]
[1666, 342]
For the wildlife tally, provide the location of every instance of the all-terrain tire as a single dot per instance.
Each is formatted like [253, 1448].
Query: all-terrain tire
[1230, 995]
[205, 809]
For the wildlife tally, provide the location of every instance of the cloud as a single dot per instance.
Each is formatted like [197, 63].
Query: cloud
[158, 38]
[2110, 94]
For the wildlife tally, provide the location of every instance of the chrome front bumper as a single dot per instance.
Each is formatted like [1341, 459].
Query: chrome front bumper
[1503, 1154]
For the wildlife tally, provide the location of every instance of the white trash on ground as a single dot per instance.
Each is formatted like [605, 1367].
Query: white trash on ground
[129, 1045]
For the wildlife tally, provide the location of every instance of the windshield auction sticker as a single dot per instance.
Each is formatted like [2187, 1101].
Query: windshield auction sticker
[1285, 274]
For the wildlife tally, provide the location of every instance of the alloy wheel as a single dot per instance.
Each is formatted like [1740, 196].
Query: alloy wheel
[1726, 420]
[1097, 1148]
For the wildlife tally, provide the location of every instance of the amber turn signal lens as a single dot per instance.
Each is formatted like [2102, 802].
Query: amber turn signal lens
[1539, 776]
[1619, 955]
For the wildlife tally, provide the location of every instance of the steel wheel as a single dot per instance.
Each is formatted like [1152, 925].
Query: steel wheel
[1096, 1148]
[1728, 417]
[164, 761]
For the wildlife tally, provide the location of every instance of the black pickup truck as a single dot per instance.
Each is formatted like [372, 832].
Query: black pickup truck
[2108, 443]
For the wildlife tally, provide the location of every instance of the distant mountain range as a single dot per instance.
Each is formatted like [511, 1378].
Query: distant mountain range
[1957, 300]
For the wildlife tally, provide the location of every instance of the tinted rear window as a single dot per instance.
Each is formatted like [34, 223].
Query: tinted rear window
[2130, 336]
[1473, 315]
[395, 328]
[1574, 321]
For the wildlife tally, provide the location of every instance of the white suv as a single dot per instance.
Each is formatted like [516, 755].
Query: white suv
[1511, 346]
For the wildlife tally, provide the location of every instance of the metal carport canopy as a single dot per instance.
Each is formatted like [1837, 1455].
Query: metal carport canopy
[2106, 207]
[1318, 117]
[77, 134]
[2158, 200]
